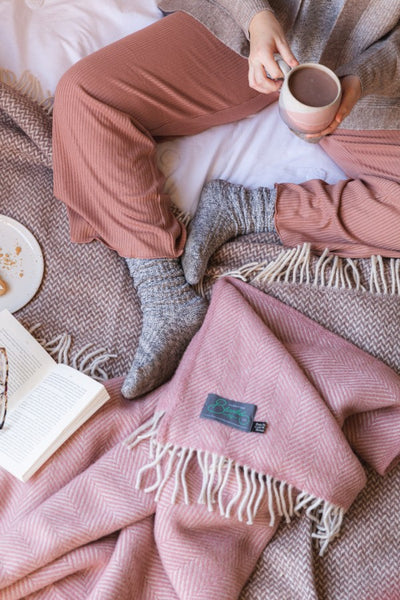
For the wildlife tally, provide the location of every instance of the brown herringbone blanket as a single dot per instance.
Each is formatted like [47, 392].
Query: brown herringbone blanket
[87, 298]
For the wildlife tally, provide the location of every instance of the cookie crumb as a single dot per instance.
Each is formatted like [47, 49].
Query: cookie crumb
[3, 287]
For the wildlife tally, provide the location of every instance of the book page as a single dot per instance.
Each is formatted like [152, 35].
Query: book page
[42, 416]
[28, 361]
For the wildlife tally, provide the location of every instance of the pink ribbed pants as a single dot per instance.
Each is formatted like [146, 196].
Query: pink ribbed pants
[175, 78]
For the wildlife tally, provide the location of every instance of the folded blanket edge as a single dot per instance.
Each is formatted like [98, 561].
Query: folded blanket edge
[171, 461]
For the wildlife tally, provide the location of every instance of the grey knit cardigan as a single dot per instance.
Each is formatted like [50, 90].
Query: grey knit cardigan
[364, 40]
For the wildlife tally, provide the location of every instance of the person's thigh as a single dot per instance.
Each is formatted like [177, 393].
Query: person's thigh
[173, 78]
[365, 153]
[356, 217]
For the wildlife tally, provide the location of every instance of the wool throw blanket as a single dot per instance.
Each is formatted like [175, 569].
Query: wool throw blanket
[358, 300]
[85, 311]
[184, 506]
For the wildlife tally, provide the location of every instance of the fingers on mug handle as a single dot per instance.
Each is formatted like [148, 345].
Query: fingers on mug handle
[287, 54]
[272, 68]
[259, 80]
[285, 64]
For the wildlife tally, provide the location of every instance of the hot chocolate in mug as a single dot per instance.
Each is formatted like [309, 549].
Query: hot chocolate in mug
[309, 97]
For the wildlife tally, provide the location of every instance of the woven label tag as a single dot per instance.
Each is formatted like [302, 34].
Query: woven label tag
[259, 426]
[235, 414]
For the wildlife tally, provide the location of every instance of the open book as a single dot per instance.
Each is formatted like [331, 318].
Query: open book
[47, 402]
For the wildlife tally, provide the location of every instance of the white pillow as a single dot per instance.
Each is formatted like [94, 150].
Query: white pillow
[45, 37]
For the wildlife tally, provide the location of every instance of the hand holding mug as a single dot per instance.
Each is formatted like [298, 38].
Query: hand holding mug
[267, 39]
[351, 93]
[309, 98]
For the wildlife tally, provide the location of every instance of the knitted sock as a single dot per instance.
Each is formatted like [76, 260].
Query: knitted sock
[225, 211]
[172, 313]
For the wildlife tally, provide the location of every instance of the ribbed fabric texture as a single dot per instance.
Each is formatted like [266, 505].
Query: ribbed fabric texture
[357, 217]
[358, 38]
[112, 107]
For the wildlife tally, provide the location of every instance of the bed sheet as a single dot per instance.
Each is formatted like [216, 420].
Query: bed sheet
[42, 38]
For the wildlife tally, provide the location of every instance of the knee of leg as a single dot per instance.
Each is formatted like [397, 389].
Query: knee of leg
[72, 87]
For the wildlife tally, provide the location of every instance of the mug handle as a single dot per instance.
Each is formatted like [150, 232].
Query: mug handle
[284, 67]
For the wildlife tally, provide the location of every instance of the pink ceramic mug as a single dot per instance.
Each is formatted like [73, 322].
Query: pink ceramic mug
[309, 97]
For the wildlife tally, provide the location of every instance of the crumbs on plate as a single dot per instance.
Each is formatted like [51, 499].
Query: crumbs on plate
[10, 261]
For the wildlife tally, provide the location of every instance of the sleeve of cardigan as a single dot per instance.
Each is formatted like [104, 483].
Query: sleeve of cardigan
[242, 11]
[378, 67]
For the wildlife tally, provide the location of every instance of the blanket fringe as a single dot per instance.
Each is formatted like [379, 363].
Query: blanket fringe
[170, 462]
[294, 265]
[28, 85]
[87, 360]
[182, 216]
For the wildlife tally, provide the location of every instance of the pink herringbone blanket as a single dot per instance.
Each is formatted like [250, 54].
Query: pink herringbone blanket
[267, 416]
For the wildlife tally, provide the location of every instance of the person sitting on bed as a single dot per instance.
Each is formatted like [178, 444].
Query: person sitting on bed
[205, 64]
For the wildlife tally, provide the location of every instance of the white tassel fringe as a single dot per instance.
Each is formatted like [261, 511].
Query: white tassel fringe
[29, 85]
[86, 360]
[294, 265]
[170, 462]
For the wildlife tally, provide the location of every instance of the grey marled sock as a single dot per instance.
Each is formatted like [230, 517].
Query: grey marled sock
[172, 313]
[225, 211]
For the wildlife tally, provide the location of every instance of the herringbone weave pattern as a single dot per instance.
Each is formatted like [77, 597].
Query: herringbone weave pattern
[86, 291]
[253, 347]
[364, 563]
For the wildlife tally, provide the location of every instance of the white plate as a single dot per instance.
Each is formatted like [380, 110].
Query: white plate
[21, 264]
